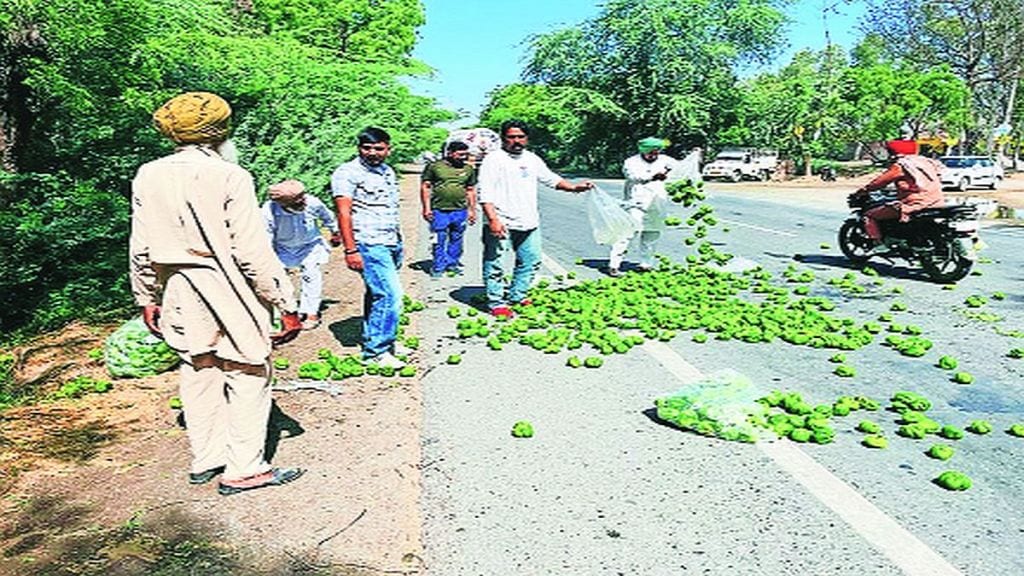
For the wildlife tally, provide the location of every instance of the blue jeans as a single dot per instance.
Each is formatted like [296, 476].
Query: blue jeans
[448, 226]
[382, 303]
[527, 248]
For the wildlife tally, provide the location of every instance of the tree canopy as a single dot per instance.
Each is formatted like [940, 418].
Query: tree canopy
[79, 80]
[978, 40]
[670, 63]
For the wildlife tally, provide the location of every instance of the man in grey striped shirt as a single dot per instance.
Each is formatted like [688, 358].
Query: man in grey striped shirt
[365, 193]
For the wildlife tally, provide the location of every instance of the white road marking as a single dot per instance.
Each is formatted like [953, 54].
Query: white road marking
[1006, 231]
[759, 228]
[552, 265]
[674, 363]
[904, 549]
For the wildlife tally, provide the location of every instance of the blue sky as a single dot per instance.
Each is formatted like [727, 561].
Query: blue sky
[477, 45]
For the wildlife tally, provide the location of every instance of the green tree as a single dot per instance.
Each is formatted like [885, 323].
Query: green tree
[670, 63]
[79, 80]
[886, 96]
[979, 41]
[566, 123]
[822, 101]
[797, 110]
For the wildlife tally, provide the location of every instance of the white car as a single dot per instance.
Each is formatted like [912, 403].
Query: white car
[962, 172]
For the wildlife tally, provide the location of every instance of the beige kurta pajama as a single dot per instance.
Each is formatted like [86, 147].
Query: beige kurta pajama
[200, 250]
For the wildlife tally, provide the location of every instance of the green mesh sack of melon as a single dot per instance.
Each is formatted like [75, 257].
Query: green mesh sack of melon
[723, 405]
[133, 352]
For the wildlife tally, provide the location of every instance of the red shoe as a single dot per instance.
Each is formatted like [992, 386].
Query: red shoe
[502, 312]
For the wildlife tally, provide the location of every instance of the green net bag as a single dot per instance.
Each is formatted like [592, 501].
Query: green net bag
[132, 352]
[723, 405]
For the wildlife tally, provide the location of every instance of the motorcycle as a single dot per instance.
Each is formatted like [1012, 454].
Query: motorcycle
[942, 240]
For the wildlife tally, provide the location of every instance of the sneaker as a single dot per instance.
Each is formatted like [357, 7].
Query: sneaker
[399, 349]
[614, 272]
[502, 312]
[455, 271]
[437, 273]
[311, 322]
[526, 302]
[386, 359]
[645, 267]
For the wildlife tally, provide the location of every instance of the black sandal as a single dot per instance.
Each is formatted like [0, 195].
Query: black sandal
[204, 477]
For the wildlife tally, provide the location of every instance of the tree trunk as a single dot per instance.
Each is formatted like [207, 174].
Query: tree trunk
[1008, 114]
[6, 144]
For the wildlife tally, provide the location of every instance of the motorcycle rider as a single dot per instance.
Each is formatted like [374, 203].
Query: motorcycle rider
[918, 186]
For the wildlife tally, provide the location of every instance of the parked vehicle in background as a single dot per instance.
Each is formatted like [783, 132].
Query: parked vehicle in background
[480, 141]
[963, 172]
[737, 164]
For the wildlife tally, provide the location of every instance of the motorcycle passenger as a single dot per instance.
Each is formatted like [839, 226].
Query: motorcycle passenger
[918, 186]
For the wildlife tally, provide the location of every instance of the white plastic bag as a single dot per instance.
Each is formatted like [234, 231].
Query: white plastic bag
[654, 216]
[687, 168]
[608, 221]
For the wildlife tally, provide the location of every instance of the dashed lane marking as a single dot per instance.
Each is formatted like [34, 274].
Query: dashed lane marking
[552, 265]
[758, 228]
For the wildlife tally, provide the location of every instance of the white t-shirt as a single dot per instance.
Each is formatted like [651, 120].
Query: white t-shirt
[509, 183]
[640, 190]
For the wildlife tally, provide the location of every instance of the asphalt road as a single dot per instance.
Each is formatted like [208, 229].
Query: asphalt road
[604, 489]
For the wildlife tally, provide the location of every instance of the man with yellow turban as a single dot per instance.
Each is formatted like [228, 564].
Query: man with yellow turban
[205, 275]
[645, 198]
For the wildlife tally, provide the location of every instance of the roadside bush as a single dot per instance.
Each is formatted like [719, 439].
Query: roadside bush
[65, 247]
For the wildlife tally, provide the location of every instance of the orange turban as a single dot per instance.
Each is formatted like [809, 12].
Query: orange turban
[194, 118]
[287, 192]
[902, 147]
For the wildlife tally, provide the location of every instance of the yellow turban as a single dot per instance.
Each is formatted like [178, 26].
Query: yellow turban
[194, 118]
[287, 192]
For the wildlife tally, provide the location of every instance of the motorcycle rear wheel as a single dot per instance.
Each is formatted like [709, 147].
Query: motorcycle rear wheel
[943, 264]
[854, 241]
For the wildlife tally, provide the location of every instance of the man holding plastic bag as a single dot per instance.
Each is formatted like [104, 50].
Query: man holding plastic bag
[645, 200]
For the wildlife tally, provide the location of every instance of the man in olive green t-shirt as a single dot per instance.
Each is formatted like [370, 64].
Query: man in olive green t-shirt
[448, 194]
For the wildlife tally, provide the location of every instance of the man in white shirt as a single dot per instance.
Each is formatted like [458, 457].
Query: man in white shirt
[507, 190]
[644, 192]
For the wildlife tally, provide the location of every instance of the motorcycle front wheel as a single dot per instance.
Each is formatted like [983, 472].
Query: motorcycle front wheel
[943, 264]
[854, 241]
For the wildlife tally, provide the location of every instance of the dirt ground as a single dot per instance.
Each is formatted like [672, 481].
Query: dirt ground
[98, 485]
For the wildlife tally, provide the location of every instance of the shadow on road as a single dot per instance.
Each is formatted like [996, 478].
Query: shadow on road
[422, 266]
[652, 415]
[279, 426]
[348, 332]
[475, 296]
[886, 269]
[601, 264]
